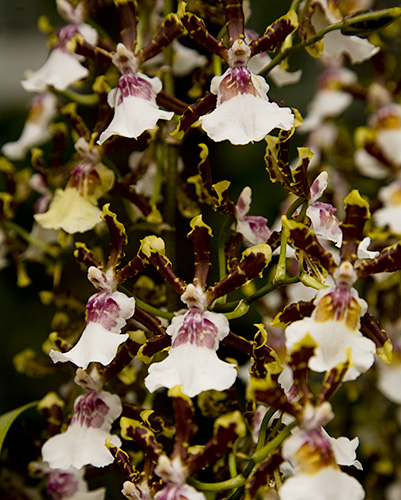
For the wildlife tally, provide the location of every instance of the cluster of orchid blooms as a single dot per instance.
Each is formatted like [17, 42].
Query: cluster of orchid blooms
[173, 395]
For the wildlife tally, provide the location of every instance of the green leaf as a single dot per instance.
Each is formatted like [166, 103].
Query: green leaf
[8, 418]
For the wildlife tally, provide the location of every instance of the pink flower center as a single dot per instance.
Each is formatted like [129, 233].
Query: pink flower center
[66, 34]
[90, 411]
[84, 178]
[61, 485]
[196, 329]
[238, 81]
[103, 309]
[132, 84]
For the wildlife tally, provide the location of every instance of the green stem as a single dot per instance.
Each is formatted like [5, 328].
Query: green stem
[216, 65]
[146, 307]
[263, 428]
[238, 308]
[232, 465]
[112, 166]
[270, 287]
[281, 270]
[52, 252]
[272, 445]
[83, 99]
[311, 282]
[294, 206]
[241, 309]
[287, 51]
[230, 484]
[295, 4]
[259, 455]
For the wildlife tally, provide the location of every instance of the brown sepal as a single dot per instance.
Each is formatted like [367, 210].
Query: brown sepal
[294, 312]
[170, 29]
[356, 215]
[199, 108]
[234, 20]
[389, 260]
[273, 36]
[198, 31]
[371, 328]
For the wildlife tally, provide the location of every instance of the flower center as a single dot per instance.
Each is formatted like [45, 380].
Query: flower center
[90, 411]
[238, 81]
[132, 84]
[66, 34]
[196, 329]
[104, 310]
[61, 485]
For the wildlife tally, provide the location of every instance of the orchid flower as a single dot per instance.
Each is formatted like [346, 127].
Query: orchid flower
[63, 68]
[380, 151]
[389, 213]
[174, 473]
[107, 312]
[324, 222]
[36, 131]
[83, 443]
[192, 361]
[69, 484]
[330, 100]
[312, 453]
[133, 100]
[336, 45]
[74, 208]
[335, 327]
[253, 228]
[243, 112]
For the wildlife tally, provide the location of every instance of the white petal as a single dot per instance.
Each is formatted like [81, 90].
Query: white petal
[363, 252]
[325, 223]
[389, 381]
[328, 484]
[318, 187]
[185, 59]
[389, 216]
[344, 450]
[245, 118]
[89, 33]
[357, 49]
[96, 344]
[243, 203]
[132, 117]
[333, 338]
[60, 70]
[194, 368]
[254, 229]
[368, 165]
[32, 135]
[106, 316]
[179, 492]
[36, 129]
[327, 103]
[389, 142]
